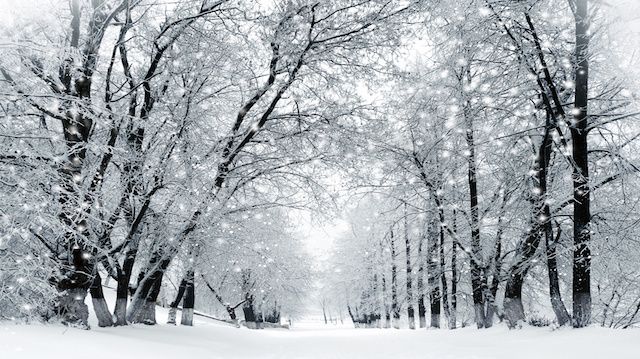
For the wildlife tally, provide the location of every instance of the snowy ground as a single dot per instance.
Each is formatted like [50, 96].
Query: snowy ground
[209, 339]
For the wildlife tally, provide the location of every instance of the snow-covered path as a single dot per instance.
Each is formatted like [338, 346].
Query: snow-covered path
[209, 340]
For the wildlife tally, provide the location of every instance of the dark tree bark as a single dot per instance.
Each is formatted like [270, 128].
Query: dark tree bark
[375, 314]
[443, 276]
[526, 250]
[249, 312]
[395, 307]
[454, 273]
[99, 303]
[581, 191]
[148, 315]
[76, 83]
[189, 299]
[324, 311]
[497, 265]
[273, 315]
[407, 242]
[250, 317]
[73, 290]
[477, 271]
[231, 310]
[351, 315]
[173, 307]
[435, 294]
[122, 289]
[560, 310]
[433, 275]
[422, 310]
[142, 306]
[387, 311]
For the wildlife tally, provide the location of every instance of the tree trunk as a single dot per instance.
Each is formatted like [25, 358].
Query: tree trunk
[477, 275]
[540, 218]
[560, 310]
[142, 307]
[454, 274]
[377, 305]
[75, 313]
[497, 267]
[496, 270]
[324, 313]
[76, 130]
[189, 300]
[248, 308]
[73, 288]
[513, 309]
[353, 319]
[99, 303]
[148, 314]
[581, 195]
[387, 312]
[434, 271]
[407, 242]
[422, 310]
[176, 301]
[395, 308]
[249, 312]
[443, 276]
[78, 268]
[433, 275]
[232, 312]
[122, 290]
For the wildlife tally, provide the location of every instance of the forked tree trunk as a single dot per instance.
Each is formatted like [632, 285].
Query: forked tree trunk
[99, 303]
[173, 307]
[142, 306]
[477, 275]
[525, 251]
[557, 304]
[513, 308]
[76, 78]
[496, 268]
[122, 289]
[148, 314]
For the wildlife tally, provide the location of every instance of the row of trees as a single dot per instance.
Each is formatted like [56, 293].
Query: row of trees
[163, 145]
[502, 180]
[139, 138]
